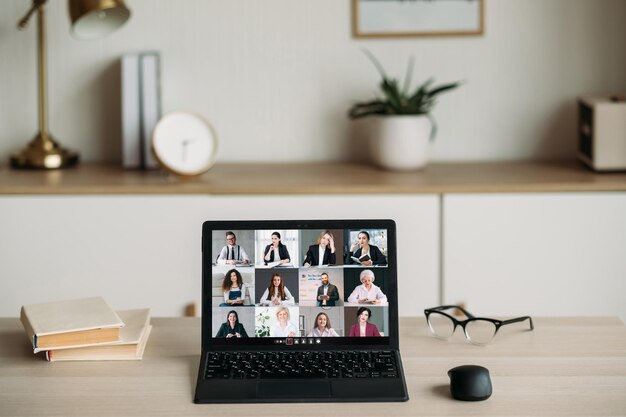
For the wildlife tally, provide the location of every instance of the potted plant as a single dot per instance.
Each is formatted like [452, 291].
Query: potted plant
[401, 124]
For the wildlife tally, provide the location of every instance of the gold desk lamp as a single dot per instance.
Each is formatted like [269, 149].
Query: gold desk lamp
[91, 19]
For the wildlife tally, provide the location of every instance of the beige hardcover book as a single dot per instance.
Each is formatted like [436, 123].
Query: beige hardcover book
[71, 323]
[133, 339]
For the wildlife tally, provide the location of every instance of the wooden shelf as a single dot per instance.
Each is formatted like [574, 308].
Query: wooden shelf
[318, 178]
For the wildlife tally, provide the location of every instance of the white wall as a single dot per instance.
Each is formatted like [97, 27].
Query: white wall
[276, 77]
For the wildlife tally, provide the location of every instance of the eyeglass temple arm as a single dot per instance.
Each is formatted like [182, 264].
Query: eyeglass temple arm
[447, 307]
[518, 319]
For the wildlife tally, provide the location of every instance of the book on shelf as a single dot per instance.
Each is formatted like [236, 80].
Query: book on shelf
[131, 127]
[133, 339]
[150, 99]
[361, 259]
[70, 323]
[141, 107]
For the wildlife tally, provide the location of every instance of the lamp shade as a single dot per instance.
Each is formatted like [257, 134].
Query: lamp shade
[92, 19]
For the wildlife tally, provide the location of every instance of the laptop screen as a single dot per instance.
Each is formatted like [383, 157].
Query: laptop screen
[299, 284]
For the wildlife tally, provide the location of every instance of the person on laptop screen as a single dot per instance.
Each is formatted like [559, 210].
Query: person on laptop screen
[327, 294]
[232, 327]
[234, 289]
[362, 253]
[284, 328]
[276, 293]
[276, 251]
[323, 252]
[362, 327]
[367, 292]
[232, 253]
[322, 327]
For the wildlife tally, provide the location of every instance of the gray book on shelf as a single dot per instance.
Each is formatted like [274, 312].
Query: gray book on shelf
[131, 124]
[150, 108]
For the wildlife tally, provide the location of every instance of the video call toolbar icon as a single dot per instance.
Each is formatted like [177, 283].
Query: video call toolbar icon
[290, 341]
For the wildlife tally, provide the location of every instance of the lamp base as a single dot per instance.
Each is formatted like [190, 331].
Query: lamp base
[44, 153]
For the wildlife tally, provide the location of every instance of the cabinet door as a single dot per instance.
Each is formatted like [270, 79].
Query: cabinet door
[141, 251]
[541, 254]
[135, 251]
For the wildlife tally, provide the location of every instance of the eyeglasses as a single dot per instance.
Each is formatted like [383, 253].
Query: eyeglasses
[477, 330]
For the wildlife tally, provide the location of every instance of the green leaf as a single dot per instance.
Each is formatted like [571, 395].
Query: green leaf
[442, 88]
[397, 101]
[422, 89]
[376, 63]
[366, 109]
[393, 95]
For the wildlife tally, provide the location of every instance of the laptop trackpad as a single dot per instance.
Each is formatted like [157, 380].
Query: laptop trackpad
[294, 389]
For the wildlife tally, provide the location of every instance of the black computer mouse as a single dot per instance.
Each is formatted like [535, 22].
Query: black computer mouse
[470, 383]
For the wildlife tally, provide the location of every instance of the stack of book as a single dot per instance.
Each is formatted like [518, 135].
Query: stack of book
[86, 329]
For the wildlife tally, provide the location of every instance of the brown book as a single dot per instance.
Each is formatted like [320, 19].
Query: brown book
[70, 323]
[133, 338]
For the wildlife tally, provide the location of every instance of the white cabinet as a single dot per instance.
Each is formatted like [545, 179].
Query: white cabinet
[134, 251]
[141, 251]
[503, 254]
[538, 254]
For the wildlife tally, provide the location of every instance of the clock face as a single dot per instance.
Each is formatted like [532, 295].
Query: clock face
[184, 143]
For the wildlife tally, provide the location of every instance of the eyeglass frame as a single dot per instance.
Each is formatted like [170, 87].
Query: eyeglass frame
[470, 318]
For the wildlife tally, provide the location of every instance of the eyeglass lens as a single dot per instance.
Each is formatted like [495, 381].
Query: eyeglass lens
[479, 331]
[440, 325]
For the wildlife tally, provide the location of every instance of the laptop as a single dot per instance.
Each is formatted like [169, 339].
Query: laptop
[300, 311]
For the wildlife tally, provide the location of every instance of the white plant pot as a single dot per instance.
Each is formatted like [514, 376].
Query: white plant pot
[400, 142]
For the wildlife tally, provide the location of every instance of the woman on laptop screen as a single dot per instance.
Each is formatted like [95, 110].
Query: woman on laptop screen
[322, 327]
[234, 289]
[323, 252]
[362, 327]
[362, 253]
[276, 251]
[367, 292]
[284, 328]
[232, 327]
[276, 293]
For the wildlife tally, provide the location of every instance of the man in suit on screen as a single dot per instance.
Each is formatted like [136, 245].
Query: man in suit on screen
[327, 293]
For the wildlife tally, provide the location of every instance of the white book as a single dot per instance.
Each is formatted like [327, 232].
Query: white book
[131, 123]
[133, 339]
[149, 66]
[70, 323]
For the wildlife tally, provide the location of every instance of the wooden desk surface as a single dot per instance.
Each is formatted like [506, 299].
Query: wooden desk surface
[565, 367]
[318, 178]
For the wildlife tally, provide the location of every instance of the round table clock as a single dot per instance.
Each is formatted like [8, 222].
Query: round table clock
[184, 143]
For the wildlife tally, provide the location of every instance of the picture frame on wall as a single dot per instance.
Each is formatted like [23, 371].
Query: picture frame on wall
[409, 18]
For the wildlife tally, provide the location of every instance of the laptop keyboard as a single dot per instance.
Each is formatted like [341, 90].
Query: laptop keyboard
[281, 365]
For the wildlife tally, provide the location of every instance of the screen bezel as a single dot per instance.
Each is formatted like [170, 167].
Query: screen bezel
[390, 342]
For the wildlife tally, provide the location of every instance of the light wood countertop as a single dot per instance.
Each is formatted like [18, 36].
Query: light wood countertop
[565, 367]
[318, 178]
